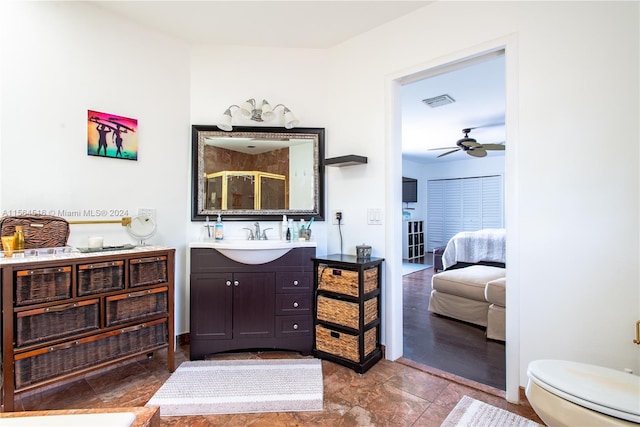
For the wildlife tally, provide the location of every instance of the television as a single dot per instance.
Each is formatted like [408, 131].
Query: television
[409, 190]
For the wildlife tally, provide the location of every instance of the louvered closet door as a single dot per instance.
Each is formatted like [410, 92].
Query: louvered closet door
[463, 204]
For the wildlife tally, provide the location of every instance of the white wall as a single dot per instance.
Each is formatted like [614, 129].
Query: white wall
[572, 169]
[60, 59]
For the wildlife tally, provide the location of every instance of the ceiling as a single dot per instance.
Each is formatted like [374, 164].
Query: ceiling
[478, 89]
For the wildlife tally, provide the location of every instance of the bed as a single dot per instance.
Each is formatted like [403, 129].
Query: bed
[487, 246]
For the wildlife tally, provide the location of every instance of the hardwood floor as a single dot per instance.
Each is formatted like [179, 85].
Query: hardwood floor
[389, 394]
[446, 344]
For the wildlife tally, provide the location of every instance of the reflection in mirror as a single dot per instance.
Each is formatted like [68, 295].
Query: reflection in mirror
[257, 173]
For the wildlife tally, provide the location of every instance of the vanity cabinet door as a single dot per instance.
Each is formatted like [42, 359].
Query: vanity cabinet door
[253, 305]
[211, 308]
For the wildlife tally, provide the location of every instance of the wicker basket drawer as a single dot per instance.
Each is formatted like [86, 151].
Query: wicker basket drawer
[346, 313]
[293, 304]
[42, 285]
[346, 281]
[134, 306]
[147, 271]
[293, 325]
[345, 345]
[40, 365]
[100, 277]
[56, 322]
[293, 282]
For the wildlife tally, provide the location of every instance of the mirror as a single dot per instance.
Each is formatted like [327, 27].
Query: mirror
[257, 173]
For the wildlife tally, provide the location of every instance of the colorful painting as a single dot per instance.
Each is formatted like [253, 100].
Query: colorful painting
[109, 135]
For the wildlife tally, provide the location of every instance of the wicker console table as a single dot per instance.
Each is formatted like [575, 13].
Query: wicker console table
[68, 314]
[347, 310]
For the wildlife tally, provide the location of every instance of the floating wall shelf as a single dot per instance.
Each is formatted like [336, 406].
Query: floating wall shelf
[349, 160]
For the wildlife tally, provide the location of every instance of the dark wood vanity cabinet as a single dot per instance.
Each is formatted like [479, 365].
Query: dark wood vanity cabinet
[237, 306]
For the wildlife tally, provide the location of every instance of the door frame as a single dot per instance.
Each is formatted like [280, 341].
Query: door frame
[393, 328]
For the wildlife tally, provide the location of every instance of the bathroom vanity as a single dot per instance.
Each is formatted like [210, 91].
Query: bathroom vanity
[244, 306]
[70, 313]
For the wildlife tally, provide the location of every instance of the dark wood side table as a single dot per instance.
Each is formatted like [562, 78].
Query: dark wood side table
[347, 310]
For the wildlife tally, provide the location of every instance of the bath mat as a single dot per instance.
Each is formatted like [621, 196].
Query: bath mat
[473, 413]
[241, 386]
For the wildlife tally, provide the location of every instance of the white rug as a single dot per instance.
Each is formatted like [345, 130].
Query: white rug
[241, 386]
[473, 413]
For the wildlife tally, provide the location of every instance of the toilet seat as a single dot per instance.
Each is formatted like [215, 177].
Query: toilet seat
[611, 392]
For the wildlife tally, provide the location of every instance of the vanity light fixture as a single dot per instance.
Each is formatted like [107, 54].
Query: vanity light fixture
[258, 113]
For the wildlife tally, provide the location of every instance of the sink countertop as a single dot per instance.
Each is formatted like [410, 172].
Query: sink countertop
[241, 244]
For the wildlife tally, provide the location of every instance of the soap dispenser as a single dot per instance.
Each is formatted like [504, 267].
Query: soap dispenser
[18, 240]
[218, 230]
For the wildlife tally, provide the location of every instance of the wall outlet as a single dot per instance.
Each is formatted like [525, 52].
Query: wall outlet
[334, 217]
[149, 212]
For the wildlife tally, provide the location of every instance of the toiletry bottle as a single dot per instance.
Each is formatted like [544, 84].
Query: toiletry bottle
[289, 229]
[283, 228]
[18, 240]
[218, 231]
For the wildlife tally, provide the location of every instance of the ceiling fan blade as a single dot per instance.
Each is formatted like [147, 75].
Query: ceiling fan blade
[493, 146]
[442, 148]
[448, 152]
[477, 152]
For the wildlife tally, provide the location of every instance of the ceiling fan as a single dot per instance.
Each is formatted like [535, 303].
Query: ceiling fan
[470, 146]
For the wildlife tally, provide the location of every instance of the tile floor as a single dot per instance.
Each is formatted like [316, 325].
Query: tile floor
[389, 394]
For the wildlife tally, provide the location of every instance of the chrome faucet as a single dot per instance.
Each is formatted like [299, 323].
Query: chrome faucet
[257, 232]
[251, 237]
[264, 233]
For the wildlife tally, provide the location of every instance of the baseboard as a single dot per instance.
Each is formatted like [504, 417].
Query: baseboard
[184, 339]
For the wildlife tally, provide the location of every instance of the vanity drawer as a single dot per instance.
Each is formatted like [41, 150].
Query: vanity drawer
[293, 282]
[147, 271]
[293, 325]
[58, 321]
[134, 306]
[100, 277]
[293, 304]
[42, 285]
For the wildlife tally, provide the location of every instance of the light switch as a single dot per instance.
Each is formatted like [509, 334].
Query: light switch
[374, 216]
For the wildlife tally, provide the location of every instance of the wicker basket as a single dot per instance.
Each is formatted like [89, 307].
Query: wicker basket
[100, 277]
[346, 313]
[134, 306]
[64, 320]
[346, 281]
[147, 271]
[40, 365]
[42, 285]
[345, 345]
[39, 231]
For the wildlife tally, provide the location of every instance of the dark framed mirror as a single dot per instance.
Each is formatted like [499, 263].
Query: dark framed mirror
[257, 173]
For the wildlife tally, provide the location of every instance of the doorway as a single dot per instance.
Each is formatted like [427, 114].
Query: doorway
[446, 344]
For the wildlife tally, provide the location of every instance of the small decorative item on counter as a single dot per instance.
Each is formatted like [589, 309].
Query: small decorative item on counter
[305, 234]
[7, 245]
[96, 242]
[363, 251]
[18, 240]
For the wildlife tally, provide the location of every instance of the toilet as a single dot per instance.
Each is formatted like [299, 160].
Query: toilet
[565, 393]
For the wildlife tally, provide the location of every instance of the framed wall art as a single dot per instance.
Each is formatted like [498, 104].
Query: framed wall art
[110, 135]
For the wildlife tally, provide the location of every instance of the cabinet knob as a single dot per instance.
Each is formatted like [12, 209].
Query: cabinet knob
[236, 283]
[295, 326]
[228, 283]
[295, 304]
[295, 283]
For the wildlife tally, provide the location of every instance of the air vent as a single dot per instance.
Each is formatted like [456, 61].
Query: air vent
[439, 101]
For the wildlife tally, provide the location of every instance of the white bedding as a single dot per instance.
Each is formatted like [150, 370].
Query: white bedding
[474, 246]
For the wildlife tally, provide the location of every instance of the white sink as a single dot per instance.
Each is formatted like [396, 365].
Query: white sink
[253, 251]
